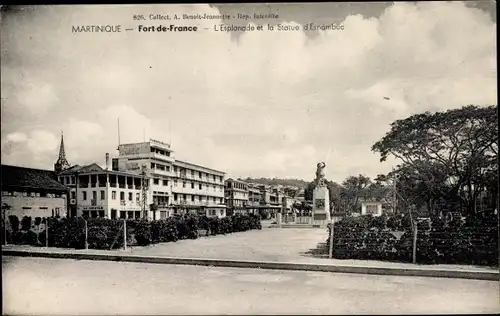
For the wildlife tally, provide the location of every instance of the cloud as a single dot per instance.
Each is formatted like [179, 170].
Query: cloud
[261, 104]
[17, 137]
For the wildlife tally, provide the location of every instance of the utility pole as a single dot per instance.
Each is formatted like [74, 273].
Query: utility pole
[394, 195]
[144, 193]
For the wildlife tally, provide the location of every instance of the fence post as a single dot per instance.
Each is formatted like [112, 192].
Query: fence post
[415, 232]
[124, 234]
[86, 235]
[5, 230]
[330, 253]
[47, 232]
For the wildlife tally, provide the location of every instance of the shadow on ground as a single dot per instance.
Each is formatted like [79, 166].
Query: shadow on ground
[321, 251]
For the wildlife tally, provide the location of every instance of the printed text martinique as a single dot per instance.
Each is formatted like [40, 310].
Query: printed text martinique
[97, 29]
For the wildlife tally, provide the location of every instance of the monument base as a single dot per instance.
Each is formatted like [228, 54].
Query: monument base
[321, 206]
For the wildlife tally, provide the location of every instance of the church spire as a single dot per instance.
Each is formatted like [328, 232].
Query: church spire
[61, 163]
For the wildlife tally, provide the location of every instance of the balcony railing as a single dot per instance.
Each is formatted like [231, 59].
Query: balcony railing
[93, 202]
[121, 186]
[130, 186]
[123, 203]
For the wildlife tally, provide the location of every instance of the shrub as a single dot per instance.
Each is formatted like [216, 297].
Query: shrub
[30, 238]
[164, 230]
[214, 226]
[142, 232]
[26, 223]
[14, 223]
[472, 242]
[191, 226]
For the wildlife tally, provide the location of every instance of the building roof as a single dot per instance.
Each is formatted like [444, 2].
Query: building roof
[192, 165]
[82, 169]
[29, 178]
[95, 168]
[236, 180]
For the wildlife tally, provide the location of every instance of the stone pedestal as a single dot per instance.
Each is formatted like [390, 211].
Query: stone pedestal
[321, 206]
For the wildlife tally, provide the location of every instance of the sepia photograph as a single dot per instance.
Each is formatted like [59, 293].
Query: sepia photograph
[315, 158]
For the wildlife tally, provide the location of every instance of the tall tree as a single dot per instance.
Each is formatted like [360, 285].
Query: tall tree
[455, 147]
[352, 189]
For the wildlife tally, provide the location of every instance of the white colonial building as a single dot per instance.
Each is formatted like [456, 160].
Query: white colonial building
[98, 192]
[174, 186]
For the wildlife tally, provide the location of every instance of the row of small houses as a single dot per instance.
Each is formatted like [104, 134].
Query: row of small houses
[39, 193]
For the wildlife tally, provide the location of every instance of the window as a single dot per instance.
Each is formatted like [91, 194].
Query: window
[84, 195]
[102, 195]
[199, 173]
[199, 197]
[192, 198]
[199, 186]
[214, 177]
[94, 195]
[163, 214]
[152, 165]
[122, 196]
[130, 196]
[175, 183]
[184, 184]
[192, 173]
[175, 196]
[175, 168]
[192, 185]
[156, 181]
[167, 168]
[123, 214]
[165, 182]
[137, 197]
[73, 195]
[184, 197]
[113, 195]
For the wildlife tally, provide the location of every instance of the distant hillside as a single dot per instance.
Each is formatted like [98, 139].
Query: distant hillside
[301, 184]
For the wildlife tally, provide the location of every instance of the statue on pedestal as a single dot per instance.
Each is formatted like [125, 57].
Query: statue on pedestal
[321, 198]
[320, 174]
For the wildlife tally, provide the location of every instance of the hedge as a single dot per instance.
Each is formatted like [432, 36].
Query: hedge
[472, 242]
[108, 234]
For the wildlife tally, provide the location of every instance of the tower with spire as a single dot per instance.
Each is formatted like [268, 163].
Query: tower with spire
[61, 163]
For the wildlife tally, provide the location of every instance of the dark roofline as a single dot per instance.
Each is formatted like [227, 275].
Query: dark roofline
[49, 178]
[34, 188]
[19, 167]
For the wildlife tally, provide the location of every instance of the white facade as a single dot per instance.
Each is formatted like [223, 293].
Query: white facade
[176, 187]
[237, 195]
[26, 204]
[373, 208]
[104, 193]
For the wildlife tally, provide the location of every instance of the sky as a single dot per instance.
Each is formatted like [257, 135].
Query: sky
[258, 104]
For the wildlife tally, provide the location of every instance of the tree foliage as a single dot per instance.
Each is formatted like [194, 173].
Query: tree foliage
[448, 155]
